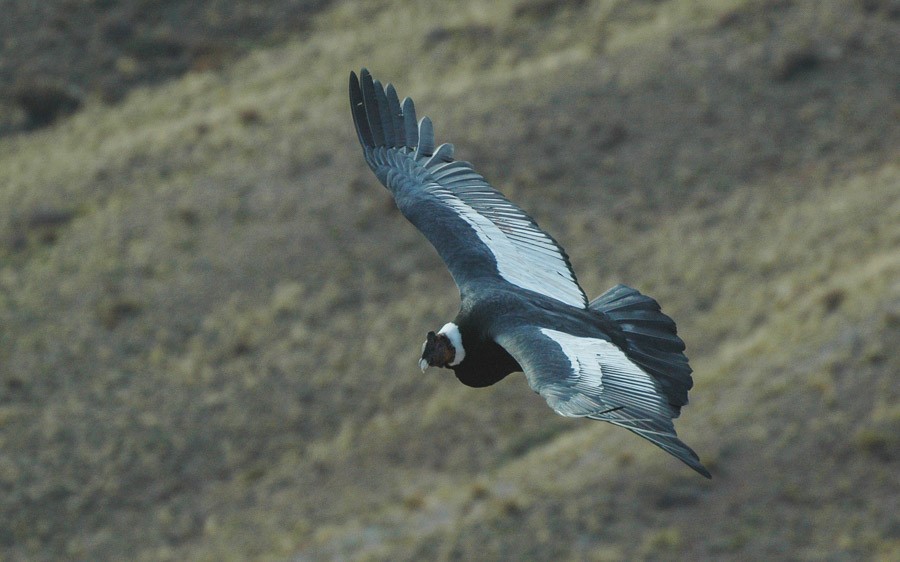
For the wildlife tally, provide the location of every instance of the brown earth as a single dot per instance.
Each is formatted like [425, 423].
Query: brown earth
[212, 312]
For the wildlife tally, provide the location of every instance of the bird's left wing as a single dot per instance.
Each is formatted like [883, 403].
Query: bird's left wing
[593, 378]
[478, 233]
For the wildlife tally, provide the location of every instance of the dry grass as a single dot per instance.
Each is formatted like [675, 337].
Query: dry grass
[212, 313]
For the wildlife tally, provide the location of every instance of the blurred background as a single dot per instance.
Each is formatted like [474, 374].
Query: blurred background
[211, 311]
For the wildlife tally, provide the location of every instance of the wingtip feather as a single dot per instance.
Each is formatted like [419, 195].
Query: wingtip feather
[370, 102]
[396, 116]
[410, 125]
[383, 113]
[358, 110]
[425, 147]
[381, 119]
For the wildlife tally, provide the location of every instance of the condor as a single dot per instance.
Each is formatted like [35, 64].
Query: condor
[617, 358]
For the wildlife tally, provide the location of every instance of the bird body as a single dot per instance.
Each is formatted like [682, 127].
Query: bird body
[617, 358]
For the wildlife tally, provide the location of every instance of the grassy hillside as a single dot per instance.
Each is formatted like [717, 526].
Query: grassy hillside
[212, 312]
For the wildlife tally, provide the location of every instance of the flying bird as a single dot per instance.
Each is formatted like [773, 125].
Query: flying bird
[616, 358]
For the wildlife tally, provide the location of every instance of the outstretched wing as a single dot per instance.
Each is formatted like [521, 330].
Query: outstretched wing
[478, 233]
[593, 378]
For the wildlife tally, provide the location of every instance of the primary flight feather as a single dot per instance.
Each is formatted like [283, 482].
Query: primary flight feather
[616, 359]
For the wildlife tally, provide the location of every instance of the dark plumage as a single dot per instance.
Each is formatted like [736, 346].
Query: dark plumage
[616, 359]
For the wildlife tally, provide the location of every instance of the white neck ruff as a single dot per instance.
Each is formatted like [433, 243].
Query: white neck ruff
[451, 330]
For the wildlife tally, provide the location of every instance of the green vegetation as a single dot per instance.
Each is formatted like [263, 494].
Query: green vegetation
[212, 313]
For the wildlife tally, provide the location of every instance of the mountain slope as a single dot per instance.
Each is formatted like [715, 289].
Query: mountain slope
[212, 312]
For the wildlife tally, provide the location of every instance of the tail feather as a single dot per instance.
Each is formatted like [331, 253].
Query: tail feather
[651, 339]
[652, 342]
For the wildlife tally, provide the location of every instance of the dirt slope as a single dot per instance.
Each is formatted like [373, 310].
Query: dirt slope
[211, 312]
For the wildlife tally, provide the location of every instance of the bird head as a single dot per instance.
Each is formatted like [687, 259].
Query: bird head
[437, 351]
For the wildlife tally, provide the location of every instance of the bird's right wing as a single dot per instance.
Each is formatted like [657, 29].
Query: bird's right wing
[593, 378]
[477, 231]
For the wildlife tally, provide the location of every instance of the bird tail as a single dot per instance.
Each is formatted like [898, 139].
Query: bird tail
[651, 339]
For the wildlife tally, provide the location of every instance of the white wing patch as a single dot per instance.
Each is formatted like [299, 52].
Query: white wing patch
[602, 377]
[526, 257]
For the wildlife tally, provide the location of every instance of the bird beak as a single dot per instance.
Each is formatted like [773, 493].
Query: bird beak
[423, 364]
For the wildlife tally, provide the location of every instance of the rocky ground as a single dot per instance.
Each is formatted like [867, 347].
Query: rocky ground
[212, 312]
